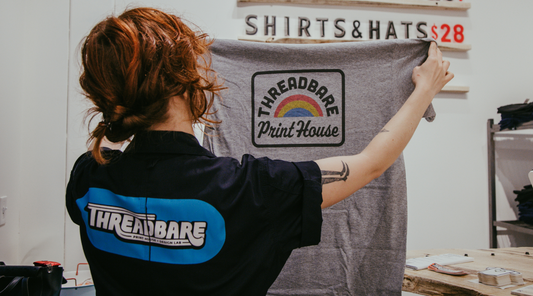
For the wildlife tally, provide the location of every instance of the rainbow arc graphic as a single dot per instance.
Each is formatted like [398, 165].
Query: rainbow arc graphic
[298, 106]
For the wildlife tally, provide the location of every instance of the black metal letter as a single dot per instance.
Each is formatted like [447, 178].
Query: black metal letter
[391, 31]
[419, 28]
[322, 30]
[270, 25]
[356, 25]
[287, 31]
[252, 25]
[407, 24]
[372, 29]
[302, 27]
[341, 32]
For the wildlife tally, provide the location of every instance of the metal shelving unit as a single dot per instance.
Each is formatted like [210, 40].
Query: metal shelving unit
[516, 225]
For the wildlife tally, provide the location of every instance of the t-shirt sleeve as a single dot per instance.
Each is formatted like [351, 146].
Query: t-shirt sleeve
[78, 183]
[311, 203]
[72, 191]
[294, 196]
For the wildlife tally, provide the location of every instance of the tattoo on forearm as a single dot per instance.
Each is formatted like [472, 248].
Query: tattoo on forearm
[384, 131]
[335, 176]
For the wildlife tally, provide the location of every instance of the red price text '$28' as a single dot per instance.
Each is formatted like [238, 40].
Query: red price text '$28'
[447, 33]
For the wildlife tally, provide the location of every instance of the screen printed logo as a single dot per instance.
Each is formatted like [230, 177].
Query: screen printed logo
[145, 228]
[298, 108]
[173, 231]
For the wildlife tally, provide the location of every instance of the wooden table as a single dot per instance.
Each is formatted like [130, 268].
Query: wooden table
[428, 282]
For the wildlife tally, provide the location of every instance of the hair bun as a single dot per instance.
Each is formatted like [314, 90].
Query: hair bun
[133, 64]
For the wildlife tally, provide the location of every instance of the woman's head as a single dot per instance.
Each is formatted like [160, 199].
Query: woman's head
[135, 63]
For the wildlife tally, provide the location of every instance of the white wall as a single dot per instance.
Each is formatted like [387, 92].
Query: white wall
[10, 126]
[446, 160]
[33, 91]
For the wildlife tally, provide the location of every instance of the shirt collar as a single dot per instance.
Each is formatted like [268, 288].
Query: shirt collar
[166, 142]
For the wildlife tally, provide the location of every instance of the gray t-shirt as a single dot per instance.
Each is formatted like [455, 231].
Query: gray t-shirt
[305, 102]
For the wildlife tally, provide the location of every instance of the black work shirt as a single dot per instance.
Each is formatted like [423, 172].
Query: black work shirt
[167, 217]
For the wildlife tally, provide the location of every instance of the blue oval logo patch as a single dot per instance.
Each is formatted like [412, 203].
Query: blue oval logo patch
[174, 231]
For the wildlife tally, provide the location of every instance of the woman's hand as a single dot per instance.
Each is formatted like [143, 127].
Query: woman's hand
[433, 74]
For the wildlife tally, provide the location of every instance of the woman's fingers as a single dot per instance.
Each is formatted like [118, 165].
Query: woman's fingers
[448, 75]
[439, 53]
[434, 51]
[433, 74]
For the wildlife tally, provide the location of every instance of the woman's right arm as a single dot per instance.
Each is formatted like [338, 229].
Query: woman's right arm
[343, 175]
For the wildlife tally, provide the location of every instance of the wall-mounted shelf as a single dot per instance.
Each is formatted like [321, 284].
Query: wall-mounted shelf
[421, 4]
[455, 89]
[454, 47]
[271, 39]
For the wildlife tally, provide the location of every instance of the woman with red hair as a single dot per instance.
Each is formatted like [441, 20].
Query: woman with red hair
[166, 216]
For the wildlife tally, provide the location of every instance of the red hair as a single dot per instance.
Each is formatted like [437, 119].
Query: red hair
[134, 63]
